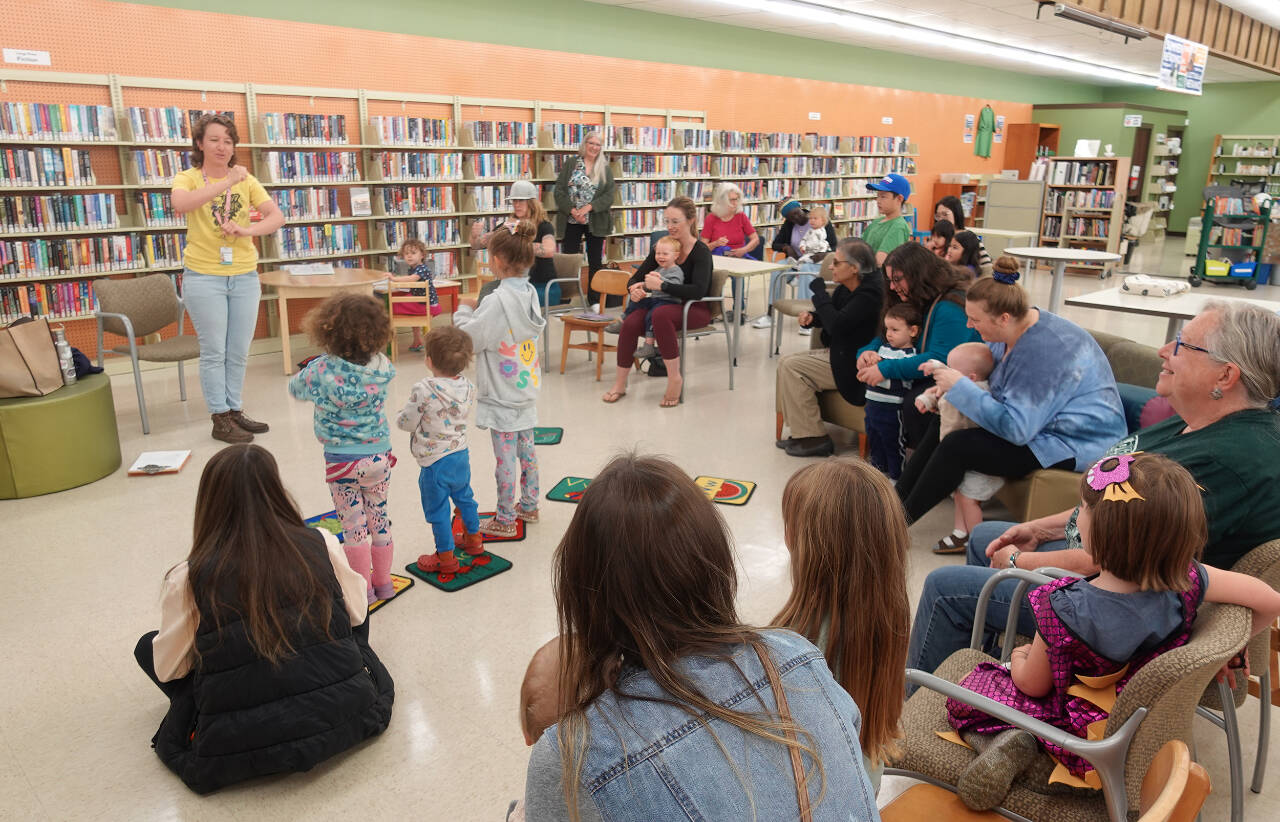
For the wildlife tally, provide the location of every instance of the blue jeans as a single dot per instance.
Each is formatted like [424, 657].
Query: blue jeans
[448, 478]
[944, 616]
[224, 311]
[885, 446]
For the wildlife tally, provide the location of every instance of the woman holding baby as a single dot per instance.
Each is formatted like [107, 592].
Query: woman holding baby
[1052, 402]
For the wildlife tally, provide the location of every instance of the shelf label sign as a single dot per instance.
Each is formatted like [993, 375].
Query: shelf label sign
[1132, 120]
[815, 115]
[1182, 65]
[886, 121]
[27, 57]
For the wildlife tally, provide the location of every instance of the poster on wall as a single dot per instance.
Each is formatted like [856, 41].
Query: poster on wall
[1182, 65]
[998, 137]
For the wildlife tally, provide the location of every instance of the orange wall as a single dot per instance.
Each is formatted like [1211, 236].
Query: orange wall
[101, 37]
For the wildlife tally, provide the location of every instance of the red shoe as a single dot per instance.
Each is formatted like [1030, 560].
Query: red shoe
[473, 544]
[442, 563]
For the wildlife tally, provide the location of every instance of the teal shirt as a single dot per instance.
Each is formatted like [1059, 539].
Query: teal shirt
[886, 235]
[947, 328]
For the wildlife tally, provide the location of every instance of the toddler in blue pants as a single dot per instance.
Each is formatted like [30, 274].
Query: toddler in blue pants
[883, 417]
[436, 417]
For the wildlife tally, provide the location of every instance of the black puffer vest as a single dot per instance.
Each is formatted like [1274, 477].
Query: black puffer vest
[242, 717]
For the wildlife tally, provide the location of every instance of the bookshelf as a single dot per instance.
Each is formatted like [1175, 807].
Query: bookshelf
[1250, 158]
[972, 196]
[1084, 205]
[1026, 142]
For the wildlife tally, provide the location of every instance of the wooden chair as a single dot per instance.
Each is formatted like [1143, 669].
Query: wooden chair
[401, 294]
[1172, 791]
[606, 281]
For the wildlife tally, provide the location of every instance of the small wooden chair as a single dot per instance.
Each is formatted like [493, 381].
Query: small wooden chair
[1173, 790]
[606, 281]
[400, 294]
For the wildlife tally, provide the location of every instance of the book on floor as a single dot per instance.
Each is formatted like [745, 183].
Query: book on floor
[159, 462]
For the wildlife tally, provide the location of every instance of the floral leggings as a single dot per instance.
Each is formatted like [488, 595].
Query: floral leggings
[359, 489]
[508, 447]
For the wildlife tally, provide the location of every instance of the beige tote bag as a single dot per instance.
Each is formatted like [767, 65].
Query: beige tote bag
[28, 361]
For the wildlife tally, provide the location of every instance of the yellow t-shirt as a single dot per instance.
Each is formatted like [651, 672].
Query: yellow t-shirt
[204, 240]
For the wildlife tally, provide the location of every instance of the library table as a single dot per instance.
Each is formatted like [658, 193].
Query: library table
[742, 268]
[1177, 309]
[1060, 257]
[309, 286]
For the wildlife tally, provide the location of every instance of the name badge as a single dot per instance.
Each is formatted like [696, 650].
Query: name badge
[224, 255]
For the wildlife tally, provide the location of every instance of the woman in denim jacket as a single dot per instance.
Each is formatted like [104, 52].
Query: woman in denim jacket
[668, 708]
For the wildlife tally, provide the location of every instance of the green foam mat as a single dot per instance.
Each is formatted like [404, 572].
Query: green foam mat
[458, 529]
[474, 569]
[726, 491]
[547, 436]
[401, 584]
[569, 489]
[328, 521]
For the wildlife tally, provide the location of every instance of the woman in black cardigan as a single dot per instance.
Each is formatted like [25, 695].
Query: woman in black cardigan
[681, 218]
[848, 319]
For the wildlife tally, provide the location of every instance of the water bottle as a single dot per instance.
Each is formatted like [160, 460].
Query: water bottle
[65, 361]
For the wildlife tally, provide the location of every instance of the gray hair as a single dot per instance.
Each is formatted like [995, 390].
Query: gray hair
[720, 199]
[858, 253]
[602, 160]
[1249, 337]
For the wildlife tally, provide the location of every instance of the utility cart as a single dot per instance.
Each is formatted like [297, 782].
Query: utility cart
[1233, 234]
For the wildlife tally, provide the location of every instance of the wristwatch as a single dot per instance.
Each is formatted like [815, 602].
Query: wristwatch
[1013, 559]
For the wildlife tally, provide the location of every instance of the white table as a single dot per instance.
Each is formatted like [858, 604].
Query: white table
[1178, 308]
[1060, 257]
[1007, 236]
[742, 268]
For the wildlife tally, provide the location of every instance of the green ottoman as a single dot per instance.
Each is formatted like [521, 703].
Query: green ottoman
[57, 442]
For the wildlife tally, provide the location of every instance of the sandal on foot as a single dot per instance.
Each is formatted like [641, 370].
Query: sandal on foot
[951, 544]
[498, 529]
[616, 395]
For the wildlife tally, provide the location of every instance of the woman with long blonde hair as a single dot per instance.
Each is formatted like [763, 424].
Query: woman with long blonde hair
[672, 706]
[584, 197]
[849, 595]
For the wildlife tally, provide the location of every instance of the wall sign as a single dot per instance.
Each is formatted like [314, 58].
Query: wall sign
[1132, 120]
[27, 57]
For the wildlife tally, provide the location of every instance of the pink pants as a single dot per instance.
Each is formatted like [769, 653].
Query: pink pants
[359, 490]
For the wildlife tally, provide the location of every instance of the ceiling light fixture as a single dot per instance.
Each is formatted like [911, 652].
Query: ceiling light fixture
[910, 34]
[1079, 15]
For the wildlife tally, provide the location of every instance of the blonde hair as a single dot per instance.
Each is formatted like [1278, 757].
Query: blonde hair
[667, 239]
[1001, 297]
[720, 200]
[819, 211]
[602, 160]
[847, 534]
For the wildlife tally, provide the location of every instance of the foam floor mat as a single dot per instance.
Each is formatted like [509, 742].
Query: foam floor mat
[547, 436]
[474, 569]
[401, 584]
[569, 489]
[726, 491]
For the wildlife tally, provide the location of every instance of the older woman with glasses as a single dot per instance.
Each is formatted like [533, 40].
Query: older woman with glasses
[681, 219]
[1220, 375]
[584, 196]
[847, 319]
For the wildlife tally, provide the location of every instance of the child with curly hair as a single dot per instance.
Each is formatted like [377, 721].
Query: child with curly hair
[348, 384]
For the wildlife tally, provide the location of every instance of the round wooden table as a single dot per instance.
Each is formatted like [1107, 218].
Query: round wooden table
[310, 286]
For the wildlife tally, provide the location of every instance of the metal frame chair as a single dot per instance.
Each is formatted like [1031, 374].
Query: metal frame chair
[122, 294]
[564, 264]
[716, 300]
[1156, 705]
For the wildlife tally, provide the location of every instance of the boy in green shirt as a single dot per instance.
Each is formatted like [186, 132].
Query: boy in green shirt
[890, 230]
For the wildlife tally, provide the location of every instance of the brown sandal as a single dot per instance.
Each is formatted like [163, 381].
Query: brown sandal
[950, 544]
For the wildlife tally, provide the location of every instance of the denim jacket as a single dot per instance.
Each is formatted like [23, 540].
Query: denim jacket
[648, 760]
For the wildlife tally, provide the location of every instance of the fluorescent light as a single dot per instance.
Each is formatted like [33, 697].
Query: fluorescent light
[1079, 15]
[910, 34]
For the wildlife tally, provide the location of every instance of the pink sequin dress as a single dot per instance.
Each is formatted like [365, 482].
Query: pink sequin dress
[1071, 655]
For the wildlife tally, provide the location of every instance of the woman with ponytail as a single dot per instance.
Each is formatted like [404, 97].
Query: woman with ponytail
[1053, 401]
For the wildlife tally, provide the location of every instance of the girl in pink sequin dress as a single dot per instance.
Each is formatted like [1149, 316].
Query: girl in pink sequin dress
[1142, 520]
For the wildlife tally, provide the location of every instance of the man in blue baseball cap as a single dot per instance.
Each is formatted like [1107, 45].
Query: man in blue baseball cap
[890, 229]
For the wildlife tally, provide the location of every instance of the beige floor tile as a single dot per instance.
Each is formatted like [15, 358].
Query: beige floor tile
[87, 564]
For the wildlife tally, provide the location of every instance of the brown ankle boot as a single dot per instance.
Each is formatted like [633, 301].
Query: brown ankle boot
[225, 429]
[246, 424]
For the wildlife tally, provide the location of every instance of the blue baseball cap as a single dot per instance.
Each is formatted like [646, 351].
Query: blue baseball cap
[895, 183]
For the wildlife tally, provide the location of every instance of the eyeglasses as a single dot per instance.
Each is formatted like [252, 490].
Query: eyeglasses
[669, 222]
[894, 280]
[1178, 343]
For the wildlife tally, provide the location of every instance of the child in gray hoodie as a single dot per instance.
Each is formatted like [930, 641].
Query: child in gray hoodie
[504, 332]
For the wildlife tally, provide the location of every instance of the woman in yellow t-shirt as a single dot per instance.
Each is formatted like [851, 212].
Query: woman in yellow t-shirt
[220, 277]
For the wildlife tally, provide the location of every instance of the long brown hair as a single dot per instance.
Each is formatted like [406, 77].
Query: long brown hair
[645, 576]
[245, 540]
[928, 278]
[847, 535]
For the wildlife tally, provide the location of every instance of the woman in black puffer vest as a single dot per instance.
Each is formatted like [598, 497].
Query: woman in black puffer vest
[263, 646]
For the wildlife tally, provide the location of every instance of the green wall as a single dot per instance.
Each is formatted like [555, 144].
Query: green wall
[1224, 108]
[593, 28]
